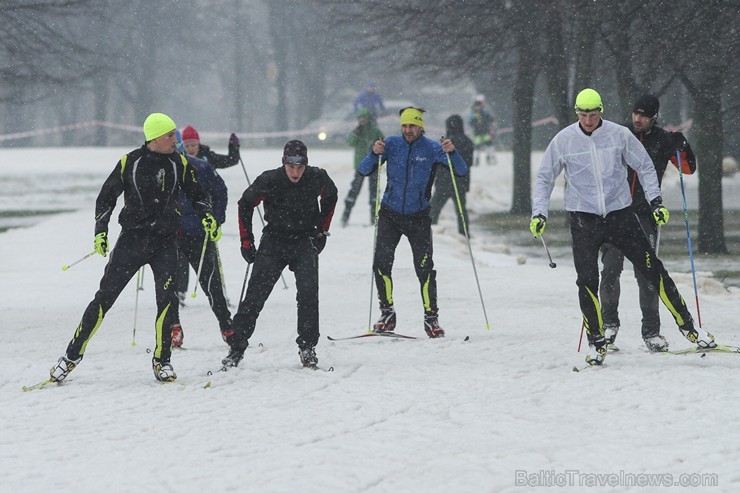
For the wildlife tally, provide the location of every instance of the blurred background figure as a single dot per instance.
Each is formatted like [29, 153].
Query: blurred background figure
[362, 139]
[369, 99]
[443, 187]
[194, 148]
[482, 123]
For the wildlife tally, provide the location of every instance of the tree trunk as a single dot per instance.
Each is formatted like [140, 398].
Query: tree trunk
[709, 142]
[523, 101]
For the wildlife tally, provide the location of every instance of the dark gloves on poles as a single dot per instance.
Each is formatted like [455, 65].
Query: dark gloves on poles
[234, 141]
[318, 239]
[249, 252]
[679, 141]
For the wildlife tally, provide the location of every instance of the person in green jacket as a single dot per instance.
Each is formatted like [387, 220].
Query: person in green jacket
[362, 139]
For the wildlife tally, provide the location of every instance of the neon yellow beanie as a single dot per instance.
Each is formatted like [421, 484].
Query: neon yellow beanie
[589, 100]
[156, 125]
[412, 116]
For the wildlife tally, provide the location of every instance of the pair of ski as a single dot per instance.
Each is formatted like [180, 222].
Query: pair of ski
[719, 348]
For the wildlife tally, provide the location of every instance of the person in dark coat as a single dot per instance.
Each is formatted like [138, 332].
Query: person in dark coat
[299, 202]
[662, 147]
[443, 187]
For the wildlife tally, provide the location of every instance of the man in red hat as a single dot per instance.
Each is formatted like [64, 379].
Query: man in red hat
[299, 203]
[193, 147]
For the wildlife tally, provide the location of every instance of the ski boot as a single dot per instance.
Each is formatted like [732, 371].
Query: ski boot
[308, 357]
[610, 334]
[163, 371]
[596, 352]
[63, 367]
[699, 336]
[387, 320]
[233, 358]
[431, 325]
[656, 343]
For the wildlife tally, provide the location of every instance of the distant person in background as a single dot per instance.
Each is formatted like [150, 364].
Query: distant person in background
[193, 147]
[662, 147]
[371, 100]
[192, 240]
[362, 139]
[443, 187]
[481, 121]
[150, 179]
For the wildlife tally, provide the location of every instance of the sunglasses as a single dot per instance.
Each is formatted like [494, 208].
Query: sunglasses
[295, 160]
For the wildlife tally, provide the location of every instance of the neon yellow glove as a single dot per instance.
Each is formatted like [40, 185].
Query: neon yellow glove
[660, 213]
[538, 224]
[211, 227]
[101, 244]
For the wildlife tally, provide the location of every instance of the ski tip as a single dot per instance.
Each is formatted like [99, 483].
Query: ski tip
[575, 369]
[207, 385]
[467, 338]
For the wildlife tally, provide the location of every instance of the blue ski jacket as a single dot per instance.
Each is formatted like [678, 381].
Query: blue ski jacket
[411, 169]
[214, 186]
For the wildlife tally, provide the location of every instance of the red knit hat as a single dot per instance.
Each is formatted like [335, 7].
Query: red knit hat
[189, 133]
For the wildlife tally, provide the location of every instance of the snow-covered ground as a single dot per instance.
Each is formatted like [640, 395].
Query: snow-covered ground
[501, 412]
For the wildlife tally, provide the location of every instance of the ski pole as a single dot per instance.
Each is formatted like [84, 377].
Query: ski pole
[259, 213]
[200, 265]
[580, 339]
[552, 264]
[688, 237]
[65, 267]
[467, 238]
[375, 243]
[244, 285]
[139, 287]
[657, 241]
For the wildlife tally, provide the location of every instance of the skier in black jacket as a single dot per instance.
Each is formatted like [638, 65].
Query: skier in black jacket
[150, 179]
[662, 147]
[443, 187]
[294, 236]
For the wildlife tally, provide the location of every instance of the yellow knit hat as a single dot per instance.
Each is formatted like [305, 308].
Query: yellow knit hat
[156, 125]
[412, 116]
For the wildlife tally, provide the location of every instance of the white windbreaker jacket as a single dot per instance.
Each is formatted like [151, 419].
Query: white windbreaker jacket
[595, 170]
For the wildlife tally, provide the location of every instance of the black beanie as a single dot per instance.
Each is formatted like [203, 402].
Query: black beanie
[647, 105]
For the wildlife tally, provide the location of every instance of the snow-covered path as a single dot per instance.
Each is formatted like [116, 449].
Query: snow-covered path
[501, 412]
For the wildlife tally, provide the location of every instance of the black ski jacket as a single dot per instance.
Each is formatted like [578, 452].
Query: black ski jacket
[661, 145]
[219, 161]
[150, 183]
[291, 209]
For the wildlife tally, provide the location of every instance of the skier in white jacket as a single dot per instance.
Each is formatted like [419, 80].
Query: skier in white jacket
[595, 153]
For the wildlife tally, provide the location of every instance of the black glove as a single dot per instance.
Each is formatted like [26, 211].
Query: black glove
[234, 141]
[679, 141]
[319, 240]
[249, 252]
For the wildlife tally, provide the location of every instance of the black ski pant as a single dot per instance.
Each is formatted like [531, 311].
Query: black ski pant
[191, 247]
[418, 230]
[133, 250]
[622, 229]
[275, 253]
[609, 289]
[354, 191]
[443, 191]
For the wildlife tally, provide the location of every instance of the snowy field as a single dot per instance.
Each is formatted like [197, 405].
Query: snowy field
[500, 412]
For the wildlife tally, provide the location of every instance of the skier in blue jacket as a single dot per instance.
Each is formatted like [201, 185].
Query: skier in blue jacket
[412, 160]
[191, 244]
